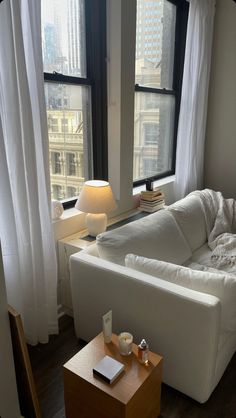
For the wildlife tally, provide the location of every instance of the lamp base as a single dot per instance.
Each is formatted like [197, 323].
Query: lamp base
[96, 223]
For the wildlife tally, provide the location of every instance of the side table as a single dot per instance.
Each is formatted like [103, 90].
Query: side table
[135, 394]
[66, 247]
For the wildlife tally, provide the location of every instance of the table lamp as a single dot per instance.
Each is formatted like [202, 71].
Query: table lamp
[96, 199]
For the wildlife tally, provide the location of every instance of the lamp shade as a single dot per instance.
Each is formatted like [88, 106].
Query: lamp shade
[96, 197]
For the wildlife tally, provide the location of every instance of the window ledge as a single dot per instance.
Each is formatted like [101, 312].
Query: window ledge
[68, 213]
[72, 220]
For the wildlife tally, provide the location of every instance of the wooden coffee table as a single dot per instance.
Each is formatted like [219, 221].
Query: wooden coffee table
[135, 394]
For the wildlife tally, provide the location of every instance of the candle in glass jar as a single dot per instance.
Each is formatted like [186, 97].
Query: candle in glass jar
[125, 343]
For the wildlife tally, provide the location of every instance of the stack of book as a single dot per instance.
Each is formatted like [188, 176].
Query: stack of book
[151, 200]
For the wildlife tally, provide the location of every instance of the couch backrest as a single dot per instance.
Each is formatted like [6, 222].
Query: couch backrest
[189, 215]
[156, 236]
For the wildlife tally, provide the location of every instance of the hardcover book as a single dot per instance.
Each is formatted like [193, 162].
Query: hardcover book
[151, 208]
[153, 198]
[108, 369]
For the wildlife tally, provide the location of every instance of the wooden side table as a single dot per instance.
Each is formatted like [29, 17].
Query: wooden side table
[135, 394]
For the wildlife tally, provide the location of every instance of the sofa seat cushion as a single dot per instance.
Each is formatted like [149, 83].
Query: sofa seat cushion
[202, 257]
[223, 286]
[190, 217]
[156, 236]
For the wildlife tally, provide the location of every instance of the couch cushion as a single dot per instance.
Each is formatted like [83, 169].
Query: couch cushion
[156, 236]
[220, 285]
[190, 217]
[203, 256]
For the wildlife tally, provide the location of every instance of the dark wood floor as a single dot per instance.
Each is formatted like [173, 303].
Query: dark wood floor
[47, 361]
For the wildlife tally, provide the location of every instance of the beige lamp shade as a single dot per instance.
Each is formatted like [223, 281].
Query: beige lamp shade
[96, 197]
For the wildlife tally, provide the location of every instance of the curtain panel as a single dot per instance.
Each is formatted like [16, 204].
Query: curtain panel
[25, 210]
[193, 109]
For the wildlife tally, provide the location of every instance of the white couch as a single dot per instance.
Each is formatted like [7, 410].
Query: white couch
[194, 330]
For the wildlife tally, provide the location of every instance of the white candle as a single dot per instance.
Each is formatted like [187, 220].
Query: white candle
[125, 343]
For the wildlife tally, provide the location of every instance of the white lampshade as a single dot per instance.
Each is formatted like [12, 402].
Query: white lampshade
[96, 197]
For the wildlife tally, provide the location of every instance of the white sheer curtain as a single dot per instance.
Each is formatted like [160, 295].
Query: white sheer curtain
[193, 110]
[25, 221]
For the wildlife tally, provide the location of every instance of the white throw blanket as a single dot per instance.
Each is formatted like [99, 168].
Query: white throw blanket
[220, 216]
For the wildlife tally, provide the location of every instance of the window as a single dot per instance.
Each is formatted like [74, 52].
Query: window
[158, 79]
[71, 192]
[74, 51]
[71, 164]
[57, 192]
[56, 166]
[150, 166]
[52, 124]
[151, 134]
[64, 125]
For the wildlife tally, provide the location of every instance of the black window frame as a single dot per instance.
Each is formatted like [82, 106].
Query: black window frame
[96, 53]
[182, 8]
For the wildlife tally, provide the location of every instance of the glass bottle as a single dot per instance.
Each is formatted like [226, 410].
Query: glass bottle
[143, 350]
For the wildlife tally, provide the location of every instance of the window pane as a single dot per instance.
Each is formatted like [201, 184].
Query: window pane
[63, 37]
[69, 130]
[153, 134]
[155, 41]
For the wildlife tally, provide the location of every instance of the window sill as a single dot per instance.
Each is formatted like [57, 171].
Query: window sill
[70, 222]
[73, 221]
[68, 213]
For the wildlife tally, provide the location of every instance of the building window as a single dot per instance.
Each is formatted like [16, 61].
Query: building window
[52, 124]
[158, 81]
[150, 166]
[74, 51]
[57, 192]
[56, 165]
[71, 192]
[71, 164]
[151, 134]
[64, 125]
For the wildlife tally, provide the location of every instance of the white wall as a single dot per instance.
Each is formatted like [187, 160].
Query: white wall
[9, 406]
[220, 155]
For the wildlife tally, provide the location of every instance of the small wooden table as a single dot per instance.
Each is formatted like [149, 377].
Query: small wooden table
[135, 394]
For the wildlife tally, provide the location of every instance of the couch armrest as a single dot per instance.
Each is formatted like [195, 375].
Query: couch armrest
[180, 324]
